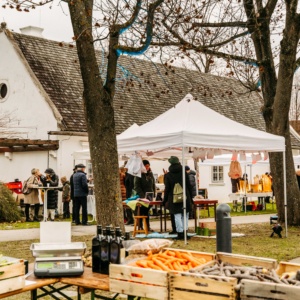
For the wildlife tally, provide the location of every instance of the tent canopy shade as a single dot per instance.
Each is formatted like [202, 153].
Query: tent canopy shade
[192, 124]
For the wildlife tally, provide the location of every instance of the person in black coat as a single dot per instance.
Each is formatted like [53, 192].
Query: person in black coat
[129, 185]
[171, 178]
[142, 185]
[72, 193]
[192, 179]
[51, 179]
[81, 191]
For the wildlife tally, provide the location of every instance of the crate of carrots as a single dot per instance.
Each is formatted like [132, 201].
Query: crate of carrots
[140, 276]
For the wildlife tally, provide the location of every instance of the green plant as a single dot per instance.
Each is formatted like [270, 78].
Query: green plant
[9, 211]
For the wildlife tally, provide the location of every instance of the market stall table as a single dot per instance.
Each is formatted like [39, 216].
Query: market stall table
[235, 197]
[204, 203]
[87, 282]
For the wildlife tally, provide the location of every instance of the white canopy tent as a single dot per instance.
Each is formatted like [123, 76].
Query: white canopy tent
[193, 127]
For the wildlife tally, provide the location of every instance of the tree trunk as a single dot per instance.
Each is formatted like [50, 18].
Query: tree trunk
[277, 95]
[99, 115]
[280, 124]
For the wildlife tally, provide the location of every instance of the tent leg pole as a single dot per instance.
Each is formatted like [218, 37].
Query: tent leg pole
[184, 197]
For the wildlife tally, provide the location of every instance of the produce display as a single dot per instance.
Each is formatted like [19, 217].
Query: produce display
[255, 273]
[170, 260]
[3, 261]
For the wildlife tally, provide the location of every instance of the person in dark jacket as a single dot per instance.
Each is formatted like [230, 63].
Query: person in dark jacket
[51, 179]
[192, 179]
[171, 178]
[129, 185]
[142, 185]
[81, 191]
[72, 193]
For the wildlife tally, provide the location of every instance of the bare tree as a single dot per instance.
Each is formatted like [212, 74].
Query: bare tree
[118, 27]
[254, 28]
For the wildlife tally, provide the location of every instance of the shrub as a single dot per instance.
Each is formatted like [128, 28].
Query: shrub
[9, 211]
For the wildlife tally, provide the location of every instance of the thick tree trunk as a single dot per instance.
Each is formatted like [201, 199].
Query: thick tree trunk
[280, 124]
[277, 95]
[99, 115]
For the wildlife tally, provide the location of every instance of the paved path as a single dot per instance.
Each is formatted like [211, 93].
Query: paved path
[34, 233]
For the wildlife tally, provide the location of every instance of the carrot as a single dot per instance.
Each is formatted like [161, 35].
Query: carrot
[170, 266]
[180, 260]
[177, 266]
[142, 263]
[184, 267]
[164, 255]
[160, 264]
[178, 254]
[171, 253]
[191, 259]
[162, 259]
[153, 266]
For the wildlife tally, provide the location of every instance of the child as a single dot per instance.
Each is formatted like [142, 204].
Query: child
[66, 197]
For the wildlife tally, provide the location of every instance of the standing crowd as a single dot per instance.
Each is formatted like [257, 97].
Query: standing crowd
[144, 186]
[75, 189]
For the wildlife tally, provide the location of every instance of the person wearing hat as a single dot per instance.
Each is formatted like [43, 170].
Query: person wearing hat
[51, 179]
[171, 178]
[72, 193]
[32, 197]
[81, 191]
[142, 185]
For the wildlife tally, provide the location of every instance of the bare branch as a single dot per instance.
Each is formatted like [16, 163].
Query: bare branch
[149, 30]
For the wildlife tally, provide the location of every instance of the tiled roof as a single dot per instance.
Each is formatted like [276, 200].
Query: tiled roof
[144, 89]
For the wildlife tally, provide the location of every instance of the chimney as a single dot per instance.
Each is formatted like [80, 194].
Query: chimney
[32, 30]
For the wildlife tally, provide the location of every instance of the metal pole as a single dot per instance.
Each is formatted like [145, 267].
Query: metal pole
[184, 197]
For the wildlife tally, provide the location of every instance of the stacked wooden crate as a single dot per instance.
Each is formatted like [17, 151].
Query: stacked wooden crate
[142, 282]
[197, 284]
[12, 273]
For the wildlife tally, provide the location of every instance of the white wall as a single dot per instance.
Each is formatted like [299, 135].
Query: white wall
[220, 191]
[31, 116]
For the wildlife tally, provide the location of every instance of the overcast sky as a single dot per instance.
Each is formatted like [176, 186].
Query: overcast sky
[55, 21]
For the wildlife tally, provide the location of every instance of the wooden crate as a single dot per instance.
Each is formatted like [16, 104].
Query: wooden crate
[12, 284]
[186, 286]
[255, 290]
[285, 267]
[16, 268]
[148, 283]
[12, 275]
[252, 290]
[246, 260]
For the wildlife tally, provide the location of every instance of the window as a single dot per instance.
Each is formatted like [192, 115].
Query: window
[217, 174]
[89, 169]
[3, 90]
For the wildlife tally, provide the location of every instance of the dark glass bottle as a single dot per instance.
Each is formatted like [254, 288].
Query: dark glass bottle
[115, 247]
[96, 250]
[104, 248]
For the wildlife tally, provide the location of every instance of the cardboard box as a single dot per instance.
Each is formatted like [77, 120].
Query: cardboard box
[209, 225]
